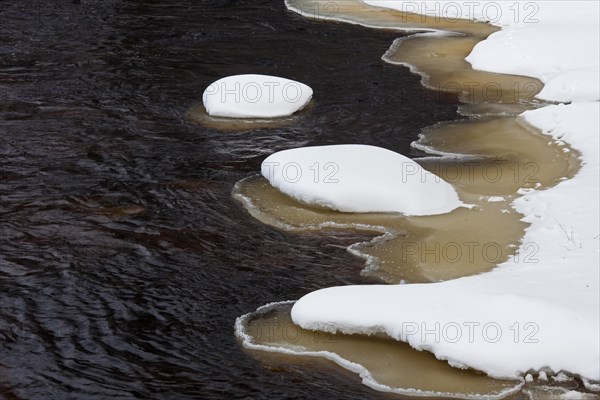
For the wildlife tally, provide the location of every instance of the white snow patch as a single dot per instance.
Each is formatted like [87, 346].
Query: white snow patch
[367, 378]
[557, 42]
[562, 377]
[573, 86]
[574, 395]
[534, 312]
[593, 386]
[359, 178]
[544, 313]
[495, 199]
[255, 96]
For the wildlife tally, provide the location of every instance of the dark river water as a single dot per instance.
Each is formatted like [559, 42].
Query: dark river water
[125, 260]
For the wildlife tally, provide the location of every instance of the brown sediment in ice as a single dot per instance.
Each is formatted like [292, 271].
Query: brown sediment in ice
[383, 363]
[358, 13]
[440, 60]
[489, 160]
[437, 53]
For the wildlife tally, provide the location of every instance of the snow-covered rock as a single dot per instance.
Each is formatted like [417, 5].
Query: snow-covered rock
[255, 96]
[359, 178]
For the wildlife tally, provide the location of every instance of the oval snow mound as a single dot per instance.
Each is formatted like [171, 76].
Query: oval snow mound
[255, 96]
[359, 178]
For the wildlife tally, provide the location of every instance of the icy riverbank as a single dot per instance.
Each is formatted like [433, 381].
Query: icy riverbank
[523, 315]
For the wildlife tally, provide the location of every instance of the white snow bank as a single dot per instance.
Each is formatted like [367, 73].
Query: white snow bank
[255, 96]
[499, 13]
[539, 309]
[557, 42]
[359, 178]
[573, 86]
[547, 51]
[573, 395]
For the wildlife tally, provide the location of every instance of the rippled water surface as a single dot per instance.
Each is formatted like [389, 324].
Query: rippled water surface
[125, 260]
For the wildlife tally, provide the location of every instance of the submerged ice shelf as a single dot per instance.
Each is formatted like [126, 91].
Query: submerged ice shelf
[547, 311]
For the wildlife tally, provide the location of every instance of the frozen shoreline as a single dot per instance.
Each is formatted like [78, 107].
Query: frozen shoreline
[558, 297]
[243, 334]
